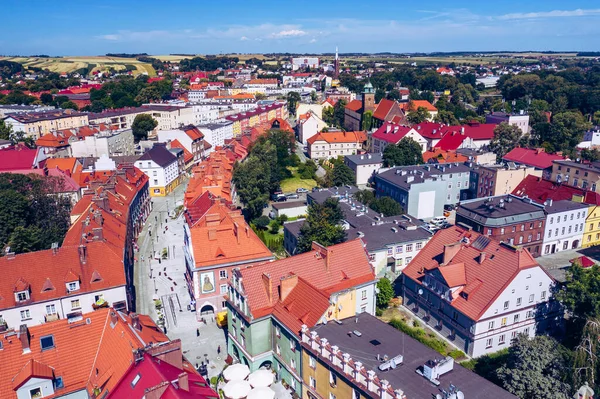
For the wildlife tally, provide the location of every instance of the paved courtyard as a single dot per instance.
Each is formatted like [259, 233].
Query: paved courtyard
[164, 280]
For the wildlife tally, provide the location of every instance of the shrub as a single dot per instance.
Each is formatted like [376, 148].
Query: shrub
[261, 222]
[378, 312]
[456, 354]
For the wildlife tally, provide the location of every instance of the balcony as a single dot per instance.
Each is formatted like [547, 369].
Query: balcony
[51, 317]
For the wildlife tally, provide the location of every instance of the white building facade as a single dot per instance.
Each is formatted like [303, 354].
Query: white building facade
[217, 132]
[565, 224]
[112, 143]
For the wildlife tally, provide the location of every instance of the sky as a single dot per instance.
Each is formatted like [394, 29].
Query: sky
[69, 27]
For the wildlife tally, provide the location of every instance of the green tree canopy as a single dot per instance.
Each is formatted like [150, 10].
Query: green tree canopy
[535, 369]
[323, 225]
[505, 139]
[367, 120]
[566, 130]
[142, 124]
[385, 294]
[342, 175]
[418, 116]
[293, 98]
[406, 152]
[386, 206]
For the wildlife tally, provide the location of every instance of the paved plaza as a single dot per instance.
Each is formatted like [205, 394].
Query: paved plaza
[165, 281]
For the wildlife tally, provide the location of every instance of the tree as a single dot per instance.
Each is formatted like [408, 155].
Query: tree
[261, 222]
[148, 94]
[293, 98]
[323, 225]
[446, 117]
[142, 124]
[566, 130]
[313, 96]
[585, 362]
[339, 111]
[387, 206]
[505, 139]
[46, 98]
[418, 116]
[365, 196]
[406, 152]
[534, 369]
[385, 292]
[367, 120]
[342, 175]
[69, 105]
[5, 130]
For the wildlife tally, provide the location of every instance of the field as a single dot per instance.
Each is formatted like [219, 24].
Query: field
[71, 64]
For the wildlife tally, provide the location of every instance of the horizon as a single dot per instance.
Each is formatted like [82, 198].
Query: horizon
[60, 29]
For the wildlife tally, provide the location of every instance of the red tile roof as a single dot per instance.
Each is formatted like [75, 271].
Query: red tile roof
[437, 155]
[187, 156]
[431, 130]
[538, 158]
[484, 281]
[416, 104]
[451, 141]
[339, 137]
[354, 105]
[54, 140]
[32, 369]
[193, 133]
[540, 190]
[18, 157]
[34, 269]
[383, 108]
[222, 236]
[328, 270]
[391, 132]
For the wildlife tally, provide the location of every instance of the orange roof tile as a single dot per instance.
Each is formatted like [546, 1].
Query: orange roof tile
[437, 155]
[354, 105]
[483, 279]
[187, 156]
[416, 104]
[68, 165]
[383, 108]
[339, 137]
[33, 369]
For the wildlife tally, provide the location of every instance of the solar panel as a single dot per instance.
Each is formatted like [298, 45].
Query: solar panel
[480, 243]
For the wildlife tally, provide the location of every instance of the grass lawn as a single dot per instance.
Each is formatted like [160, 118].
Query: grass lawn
[295, 182]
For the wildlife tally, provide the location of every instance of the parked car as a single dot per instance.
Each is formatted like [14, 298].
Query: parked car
[292, 196]
[438, 220]
[276, 195]
[282, 198]
[449, 207]
[301, 190]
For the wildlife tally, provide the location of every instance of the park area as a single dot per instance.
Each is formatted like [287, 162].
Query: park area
[291, 184]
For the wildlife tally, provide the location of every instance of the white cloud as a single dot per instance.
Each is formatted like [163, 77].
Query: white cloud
[313, 40]
[109, 37]
[244, 38]
[289, 33]
[551, 14]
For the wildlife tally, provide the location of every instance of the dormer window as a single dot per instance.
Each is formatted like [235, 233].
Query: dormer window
[73, 286]
[22, 296]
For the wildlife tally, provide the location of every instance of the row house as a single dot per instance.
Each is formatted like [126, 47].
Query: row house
[493, 180]
[327, 145]
[262, 114]
[361, 357]
[577, 174]
[212, 175]
[189, 137]
[38, 123]
[391, 134]
[102, 354]
[514, 220]
[168, 116]
[565, 222]
[268, 304]
[163, 168]
[479, 293]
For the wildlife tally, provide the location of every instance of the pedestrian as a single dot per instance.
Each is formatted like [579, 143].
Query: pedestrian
[142, 258]
[219, 350]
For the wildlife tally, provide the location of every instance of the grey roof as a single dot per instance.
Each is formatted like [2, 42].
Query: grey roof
[500, 210]
[380, 236]
[4, 142]
[160, 155]
[115, 112]
[564, 206]
[215, 125]
[405, 176]
[365, 159]
[288, 204]
[473, 152]
[594, 166]
[379, 339]
[294, 227]
[322, 194]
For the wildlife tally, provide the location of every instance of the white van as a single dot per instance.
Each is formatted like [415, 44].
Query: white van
[438, 220]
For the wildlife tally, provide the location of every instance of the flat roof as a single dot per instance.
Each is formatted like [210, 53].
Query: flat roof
[406, 176]
[288, 204]
[366, 159]
[379, 338]
[501, 210]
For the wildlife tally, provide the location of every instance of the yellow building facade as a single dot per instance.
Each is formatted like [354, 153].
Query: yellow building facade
[320, 380]
[591, 232]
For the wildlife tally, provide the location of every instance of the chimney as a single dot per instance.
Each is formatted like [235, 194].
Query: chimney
[462, 130]
[24, 337]
[183, 381]
[287, 284]
[266, 278]
[157, 391]
[236, 230]
[97, 231]
[82, 253]
[247, 231]
[102, 202]
[450, 250]
[388, 128]
[135, 321]
[481, 257]
[114, 318]
[98, 217]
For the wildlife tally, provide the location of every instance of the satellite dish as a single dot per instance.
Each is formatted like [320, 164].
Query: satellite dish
[460, 395]
[420, 291]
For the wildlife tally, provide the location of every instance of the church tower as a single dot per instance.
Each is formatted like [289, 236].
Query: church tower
[336, 65]
[368, 97]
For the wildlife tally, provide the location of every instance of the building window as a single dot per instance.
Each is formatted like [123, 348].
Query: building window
[530, 226]
[332, 379]
[390, 251]
[518, 301]
[223, 288]
[408, 259]
[418, 246]
[399, 249]
[543, 296]
[520, 239]
[551, 220]
[293, 364]
[75, 304]
[531, 298]
[409, 248]
[522, 227]
[312, 362]
[47, 342]
[502, 231]
[277, 332]
[491, 325]
[489, 232]
[529, 314]
[73, 286]
[529, 238]
[506, 305]
[313, 383]
[539, 235]
[222, 274]
[25, 314]
[503, 322]
[22, 296]
[514, 228]
[278, 350]
[516, 319]
[501, 340]
[488, 343]
[363, 294]
[35, 393]
[455, 315]
[50, 309]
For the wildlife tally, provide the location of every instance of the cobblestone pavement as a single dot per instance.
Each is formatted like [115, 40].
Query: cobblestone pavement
[166, 281]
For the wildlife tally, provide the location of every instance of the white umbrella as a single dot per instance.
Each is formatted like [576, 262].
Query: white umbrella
[236, 372]
[261, 393]
[261, 378]
[236, 389]
[280, 391]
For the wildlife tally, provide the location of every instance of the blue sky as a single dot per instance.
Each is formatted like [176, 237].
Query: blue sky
[69, 27]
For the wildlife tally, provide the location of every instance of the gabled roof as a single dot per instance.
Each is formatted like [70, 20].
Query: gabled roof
[431, 130]
[383, 109]
[187, 156]
[160, 155]
[339, 137]
[17, 157]
[328, 270]
[193, 133]
[391, 132]
[54, 140]
[416, 104]
[354, 105]
[485, 277]
[540, 190]
[437, 155]
[538, 158]
[32, 369]
[451, 141]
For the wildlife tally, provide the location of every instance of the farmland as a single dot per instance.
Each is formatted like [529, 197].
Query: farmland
[72, 64]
